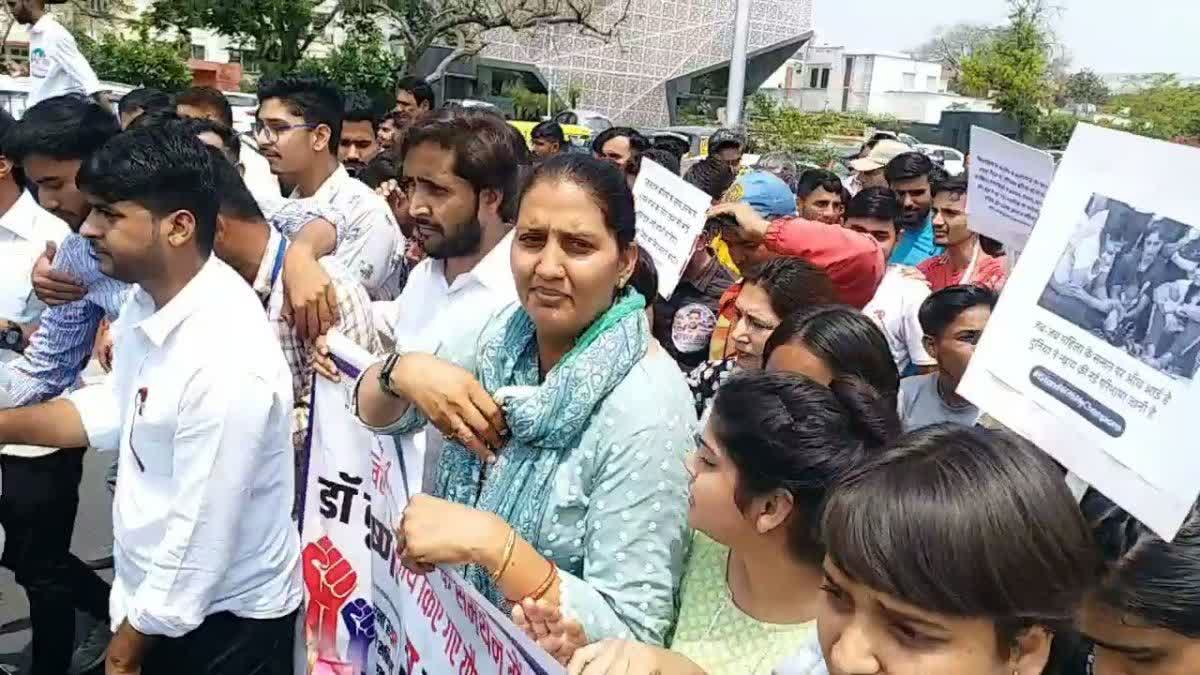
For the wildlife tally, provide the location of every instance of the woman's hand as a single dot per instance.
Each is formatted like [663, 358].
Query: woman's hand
[454, 402]
[437, 532]
[543, 622]
[618, 657]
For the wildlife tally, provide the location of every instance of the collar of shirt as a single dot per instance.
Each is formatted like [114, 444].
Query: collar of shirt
[331, 185]
[271, 264]
[42, 24]
[160, 322]
[24, 220]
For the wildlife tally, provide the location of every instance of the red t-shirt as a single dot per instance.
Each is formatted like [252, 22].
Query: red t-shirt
[940, 272]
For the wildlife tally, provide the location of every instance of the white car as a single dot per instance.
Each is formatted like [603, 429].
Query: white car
[951, 160]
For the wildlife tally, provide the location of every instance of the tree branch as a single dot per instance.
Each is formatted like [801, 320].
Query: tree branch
[316, 31]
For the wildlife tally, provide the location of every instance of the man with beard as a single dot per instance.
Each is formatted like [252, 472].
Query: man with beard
[360, 140]
[41, 484]
[910, 176]
[463, 168]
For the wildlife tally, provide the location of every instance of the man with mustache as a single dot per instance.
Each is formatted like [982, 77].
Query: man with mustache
[910, 176]
[463, 171]
[360, 140]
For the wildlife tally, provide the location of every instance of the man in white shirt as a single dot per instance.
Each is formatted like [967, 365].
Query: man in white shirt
[56, 67]
[298, 129]
[897, 301]
[206, 575]
[464, 167]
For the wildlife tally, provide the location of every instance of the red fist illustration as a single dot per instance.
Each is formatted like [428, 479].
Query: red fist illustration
[330, 579]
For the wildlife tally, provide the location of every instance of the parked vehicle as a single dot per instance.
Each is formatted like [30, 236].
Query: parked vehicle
[591, 119]
[951, 160]
[577, 136]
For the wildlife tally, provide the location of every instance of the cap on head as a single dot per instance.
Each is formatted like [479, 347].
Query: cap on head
[725, 137]
[766, 192]
[883, 152]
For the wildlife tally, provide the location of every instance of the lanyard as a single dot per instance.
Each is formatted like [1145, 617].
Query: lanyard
[278, 266]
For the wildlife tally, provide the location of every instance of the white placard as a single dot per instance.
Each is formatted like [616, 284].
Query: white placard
[670, 215]
[1068, 360]
[1008, 183]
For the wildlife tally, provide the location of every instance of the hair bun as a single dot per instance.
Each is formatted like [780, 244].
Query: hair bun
[873, 419]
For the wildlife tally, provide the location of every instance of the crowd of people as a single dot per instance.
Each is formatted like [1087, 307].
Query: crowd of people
[772, 471]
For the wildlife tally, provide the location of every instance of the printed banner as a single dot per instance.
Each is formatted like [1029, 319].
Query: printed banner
[364, 612]
[338, 617]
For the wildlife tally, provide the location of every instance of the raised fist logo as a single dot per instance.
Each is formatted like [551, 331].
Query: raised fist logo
[329, 579]
[359, 617]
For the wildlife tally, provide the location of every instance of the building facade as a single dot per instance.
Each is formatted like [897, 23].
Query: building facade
[668, 58]
[828, 78]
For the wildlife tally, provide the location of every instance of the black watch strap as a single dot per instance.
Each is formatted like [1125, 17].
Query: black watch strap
[385, 375]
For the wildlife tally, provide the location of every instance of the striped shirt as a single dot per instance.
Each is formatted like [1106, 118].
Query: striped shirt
[62, 345]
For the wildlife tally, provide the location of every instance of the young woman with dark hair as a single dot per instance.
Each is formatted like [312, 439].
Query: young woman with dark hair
[958, 551]
[833, 341]
[1143, 617]
[773, 446]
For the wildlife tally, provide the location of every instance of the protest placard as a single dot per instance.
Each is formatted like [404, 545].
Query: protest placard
[1092, 350]
[338, 604]
[364, 612]
[670, 216]
[1007, 184]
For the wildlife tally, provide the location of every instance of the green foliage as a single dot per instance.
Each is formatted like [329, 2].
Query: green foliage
[1085, 87]
[139, 61]
[362, 63]
[777, 127]
[1054, 131]
[1163, 110]
[277, 30]
[1015, 66]
[528, 105]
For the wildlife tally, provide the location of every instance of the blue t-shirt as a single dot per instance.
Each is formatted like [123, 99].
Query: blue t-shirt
[915, 248]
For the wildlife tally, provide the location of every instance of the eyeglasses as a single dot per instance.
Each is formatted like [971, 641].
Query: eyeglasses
[271, 134]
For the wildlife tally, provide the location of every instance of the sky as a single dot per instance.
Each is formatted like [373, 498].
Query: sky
[1107, 36]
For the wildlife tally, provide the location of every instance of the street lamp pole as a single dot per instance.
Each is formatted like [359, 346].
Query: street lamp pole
[737, 64]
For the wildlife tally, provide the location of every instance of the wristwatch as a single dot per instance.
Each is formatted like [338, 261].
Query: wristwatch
[11, 337]
[385, 374]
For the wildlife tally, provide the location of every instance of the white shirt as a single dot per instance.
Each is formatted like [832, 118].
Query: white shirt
[371, 245]
[56, 67]
[24, 230]
[263, 184]
[430, 309]
[199, 405]
[894, 309]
